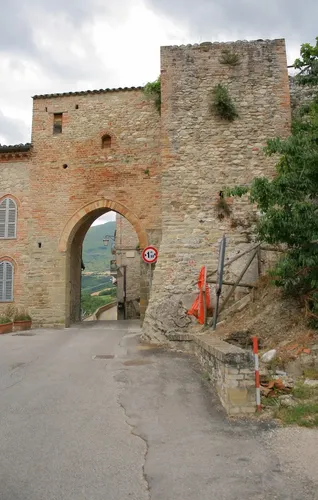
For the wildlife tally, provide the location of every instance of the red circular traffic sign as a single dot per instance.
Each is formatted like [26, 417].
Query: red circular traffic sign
[150, 255]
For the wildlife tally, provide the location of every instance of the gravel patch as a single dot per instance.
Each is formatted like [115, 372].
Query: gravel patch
[297, 450]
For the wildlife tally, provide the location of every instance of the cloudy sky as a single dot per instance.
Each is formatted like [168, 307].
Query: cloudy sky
[60, 45]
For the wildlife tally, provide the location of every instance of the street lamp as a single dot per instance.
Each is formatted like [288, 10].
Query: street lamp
[107, 238]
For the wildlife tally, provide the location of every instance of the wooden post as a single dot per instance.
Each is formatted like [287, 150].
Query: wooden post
[229, 262]
[259, 261]
[229, 295]
[230, 283]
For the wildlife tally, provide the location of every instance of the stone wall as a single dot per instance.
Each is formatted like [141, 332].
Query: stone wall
[128, 255]
[164, 174]
[201, 153]
[300, 94]
[228, 367]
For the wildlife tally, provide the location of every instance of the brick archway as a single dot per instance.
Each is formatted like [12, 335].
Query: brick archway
[70, 244]
[77, 219]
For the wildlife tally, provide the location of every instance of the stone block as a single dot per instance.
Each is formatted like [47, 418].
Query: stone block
[237, 396]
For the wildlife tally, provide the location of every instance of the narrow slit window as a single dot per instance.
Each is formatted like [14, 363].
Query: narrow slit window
[106, 141]
[57, 123]
[8, 218]
[6, 281]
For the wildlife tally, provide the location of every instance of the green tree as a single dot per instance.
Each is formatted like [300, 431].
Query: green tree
[288, 203]
[90, 303]
[308, 64]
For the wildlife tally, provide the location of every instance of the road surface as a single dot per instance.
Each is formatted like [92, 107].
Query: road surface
[135, 424]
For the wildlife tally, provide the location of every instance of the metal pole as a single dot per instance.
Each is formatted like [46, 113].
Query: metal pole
[125, 289]
[257, 377]
[150, 279]
[216, 309]
[205, 319]
[220, 271]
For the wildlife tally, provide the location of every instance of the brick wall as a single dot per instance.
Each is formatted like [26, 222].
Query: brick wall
[14, 182]
[61, 205]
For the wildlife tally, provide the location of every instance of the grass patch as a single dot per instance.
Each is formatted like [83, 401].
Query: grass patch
[270, 402]
[311, 373]
[302, 391]
[305, 410]
[303, 414]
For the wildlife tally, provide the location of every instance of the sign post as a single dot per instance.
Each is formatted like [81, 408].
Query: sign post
[150, 256]
[219, 280]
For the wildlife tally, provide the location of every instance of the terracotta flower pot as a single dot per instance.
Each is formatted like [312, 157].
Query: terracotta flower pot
[6, 328]
[20, 326]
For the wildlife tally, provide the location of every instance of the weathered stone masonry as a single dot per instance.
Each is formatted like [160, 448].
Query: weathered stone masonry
[202, 153]
[68, 179]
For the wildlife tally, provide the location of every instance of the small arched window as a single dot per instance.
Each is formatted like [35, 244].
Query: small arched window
[106, 141]
[6, 281]
[8, 218]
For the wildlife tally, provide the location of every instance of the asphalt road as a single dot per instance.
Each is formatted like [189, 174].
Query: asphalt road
[137, 426]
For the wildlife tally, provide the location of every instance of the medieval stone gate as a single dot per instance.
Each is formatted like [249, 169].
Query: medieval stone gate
[110, 149]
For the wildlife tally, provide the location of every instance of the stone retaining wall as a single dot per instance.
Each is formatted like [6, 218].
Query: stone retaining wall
[230, 369]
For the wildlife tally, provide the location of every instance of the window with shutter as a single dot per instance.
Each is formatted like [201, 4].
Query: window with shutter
[6, 281]
[8, 218]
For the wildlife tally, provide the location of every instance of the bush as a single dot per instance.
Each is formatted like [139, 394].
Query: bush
[222, 104]
[111, 293]
[229, 58]
[4, 320]
[10, 311]
[90, 304]
[21, 315]
[152, 90]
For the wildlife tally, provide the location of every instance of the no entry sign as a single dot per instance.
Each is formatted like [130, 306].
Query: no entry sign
[150, 255]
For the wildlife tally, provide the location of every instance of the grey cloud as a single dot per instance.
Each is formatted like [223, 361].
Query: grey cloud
[210, 19]
[17, 18]
[13, 131]
[20, 20]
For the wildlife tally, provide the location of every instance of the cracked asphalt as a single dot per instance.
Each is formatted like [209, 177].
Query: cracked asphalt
[135, 424]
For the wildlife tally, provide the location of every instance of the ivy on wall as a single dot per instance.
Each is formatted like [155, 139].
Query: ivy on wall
[152, 90]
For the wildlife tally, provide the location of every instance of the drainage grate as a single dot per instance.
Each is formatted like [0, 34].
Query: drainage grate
[137, 362]
[103, 356]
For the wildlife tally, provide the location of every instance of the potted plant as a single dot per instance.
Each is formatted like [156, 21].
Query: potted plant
[5, 325]
[22, 321]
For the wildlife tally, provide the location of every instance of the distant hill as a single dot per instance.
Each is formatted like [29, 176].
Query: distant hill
[96, 256]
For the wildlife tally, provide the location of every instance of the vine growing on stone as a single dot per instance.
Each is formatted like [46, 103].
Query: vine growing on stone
[222, 104]
[152, 90]
[229, 58]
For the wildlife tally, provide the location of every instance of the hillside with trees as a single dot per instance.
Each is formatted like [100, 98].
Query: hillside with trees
[96, 256]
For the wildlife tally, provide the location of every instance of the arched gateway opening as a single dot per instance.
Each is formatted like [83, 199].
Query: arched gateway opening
[71, 242]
